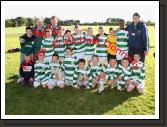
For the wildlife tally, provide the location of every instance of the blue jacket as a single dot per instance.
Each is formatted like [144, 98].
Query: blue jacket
[138, 38]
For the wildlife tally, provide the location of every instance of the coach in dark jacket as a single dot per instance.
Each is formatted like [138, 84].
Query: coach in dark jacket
[138, 41]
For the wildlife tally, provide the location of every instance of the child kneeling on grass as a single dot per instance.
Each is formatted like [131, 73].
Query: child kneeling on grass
[95, 67]
[124, 78]
[68, 67]
[55, 73]
[82, 75]
[138, 75]
[112, 72]
[40, 66]
[27, 71]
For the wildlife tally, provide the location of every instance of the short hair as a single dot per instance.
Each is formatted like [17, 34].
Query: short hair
[48, 29]
[29, 28]
[56, 55]
[95, 56]
[68, 48]
[136, 14]
[76, 26]
[125, 59]
[137, 54]
[67, 31]
[112, 58]
[101, 28]
[53, 17]
[121, 20]
[110, 28]
[81, 61]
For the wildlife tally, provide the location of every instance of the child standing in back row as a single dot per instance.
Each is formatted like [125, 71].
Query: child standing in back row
[79, 43]
[101, 46]
[89, 44]
[47, 45]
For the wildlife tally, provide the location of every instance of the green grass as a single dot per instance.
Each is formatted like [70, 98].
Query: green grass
[29, 101]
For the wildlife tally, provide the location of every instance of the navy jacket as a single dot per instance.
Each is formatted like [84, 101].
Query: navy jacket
[138, 38]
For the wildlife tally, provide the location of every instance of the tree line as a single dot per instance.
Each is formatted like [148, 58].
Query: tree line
[23, 21]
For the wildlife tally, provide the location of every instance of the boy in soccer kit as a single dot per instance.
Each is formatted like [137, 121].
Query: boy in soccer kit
[55, 73]
[47, 45]
[68, 39]
[138, 75]
[125, 71]
[95, 68]
[89, 44]
[101, 46]
[122, 42]
[79, 43]
[112, 72]
[111, 44]
[59, 46]
[82, 75]
[40, 72]
[27, 71]
[68, 67]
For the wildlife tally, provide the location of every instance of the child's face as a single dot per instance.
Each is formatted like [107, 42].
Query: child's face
[77, 30]
[27, 58]
[41, 57]
[29, 33]
[54, 21]
[90, 31]
[68, 52]
[68, 34]
[136, 57]
[125, 63]
[60, 32]
[121, 24]
[95, 60]
[48, 33]
[112, 62]
[39, 23]
[101, 32]
[54, 58]
[81, 65]
[112, 32]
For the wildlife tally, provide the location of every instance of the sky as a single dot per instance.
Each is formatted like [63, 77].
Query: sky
[85, 12]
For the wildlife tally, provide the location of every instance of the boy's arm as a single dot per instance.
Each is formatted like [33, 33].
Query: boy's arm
[90, 78]
[32, 71]
[142, 74]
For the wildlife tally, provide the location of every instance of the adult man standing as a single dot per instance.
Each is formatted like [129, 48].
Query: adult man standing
[53, 26]
[138, 41]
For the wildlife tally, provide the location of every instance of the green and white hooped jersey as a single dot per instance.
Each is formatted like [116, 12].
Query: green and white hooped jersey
[125, 73]
[111, 73]
[95, 69]
[47, 45]
[81, 72]
[138, 71]
[68, 42]
[59, 46]
[68, 66]
[53, 67]
[122, 40]
[40, 71]
[79, 42]
[90, 46]
[101, 48]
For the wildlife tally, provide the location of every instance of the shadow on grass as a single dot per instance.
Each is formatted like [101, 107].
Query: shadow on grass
[68, 101]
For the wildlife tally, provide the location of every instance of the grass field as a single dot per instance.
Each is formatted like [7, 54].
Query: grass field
[29, 101]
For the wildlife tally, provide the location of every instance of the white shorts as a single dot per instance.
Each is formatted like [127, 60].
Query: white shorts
[140, 84]
[68, 82]
[103, 60]
[52, 82]
[38, 83]
[121, 55]
[80, 55]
